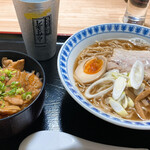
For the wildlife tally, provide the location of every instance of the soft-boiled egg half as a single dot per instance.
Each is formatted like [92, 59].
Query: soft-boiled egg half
[91, 69]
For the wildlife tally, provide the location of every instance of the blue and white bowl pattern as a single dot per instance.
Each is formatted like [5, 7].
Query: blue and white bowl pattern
[76, 43]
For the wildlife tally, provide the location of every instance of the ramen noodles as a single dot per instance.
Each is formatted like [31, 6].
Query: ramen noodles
[114, 75]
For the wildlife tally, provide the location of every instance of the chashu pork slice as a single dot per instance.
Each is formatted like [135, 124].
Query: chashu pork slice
[124, 59]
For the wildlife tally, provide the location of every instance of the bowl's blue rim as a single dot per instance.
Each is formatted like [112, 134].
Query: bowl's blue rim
[145, 125]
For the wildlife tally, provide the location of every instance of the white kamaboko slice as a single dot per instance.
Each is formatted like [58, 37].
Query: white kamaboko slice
[91, 69]
[116, 106]
[119, 87]
[102, 92]
[137, 74]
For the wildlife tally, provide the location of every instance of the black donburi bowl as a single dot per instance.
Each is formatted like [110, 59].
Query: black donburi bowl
[16, 123]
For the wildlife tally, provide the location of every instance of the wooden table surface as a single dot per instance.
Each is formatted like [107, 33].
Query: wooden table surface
[74, 15]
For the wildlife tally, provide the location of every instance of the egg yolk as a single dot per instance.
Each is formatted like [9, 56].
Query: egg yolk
[93, 66]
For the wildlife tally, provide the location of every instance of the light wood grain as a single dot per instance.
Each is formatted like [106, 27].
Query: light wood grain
[74, 15]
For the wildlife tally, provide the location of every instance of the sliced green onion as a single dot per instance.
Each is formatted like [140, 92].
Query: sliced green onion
[3, 104]
[11, 92]
[13, 71]
[27, 96]
[14, 84]
[2, 87]
[9, 73]
[2, 78]
[3, 94]
[20, 91]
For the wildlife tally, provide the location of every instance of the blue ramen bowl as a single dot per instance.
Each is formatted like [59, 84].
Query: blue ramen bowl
[82, 39]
